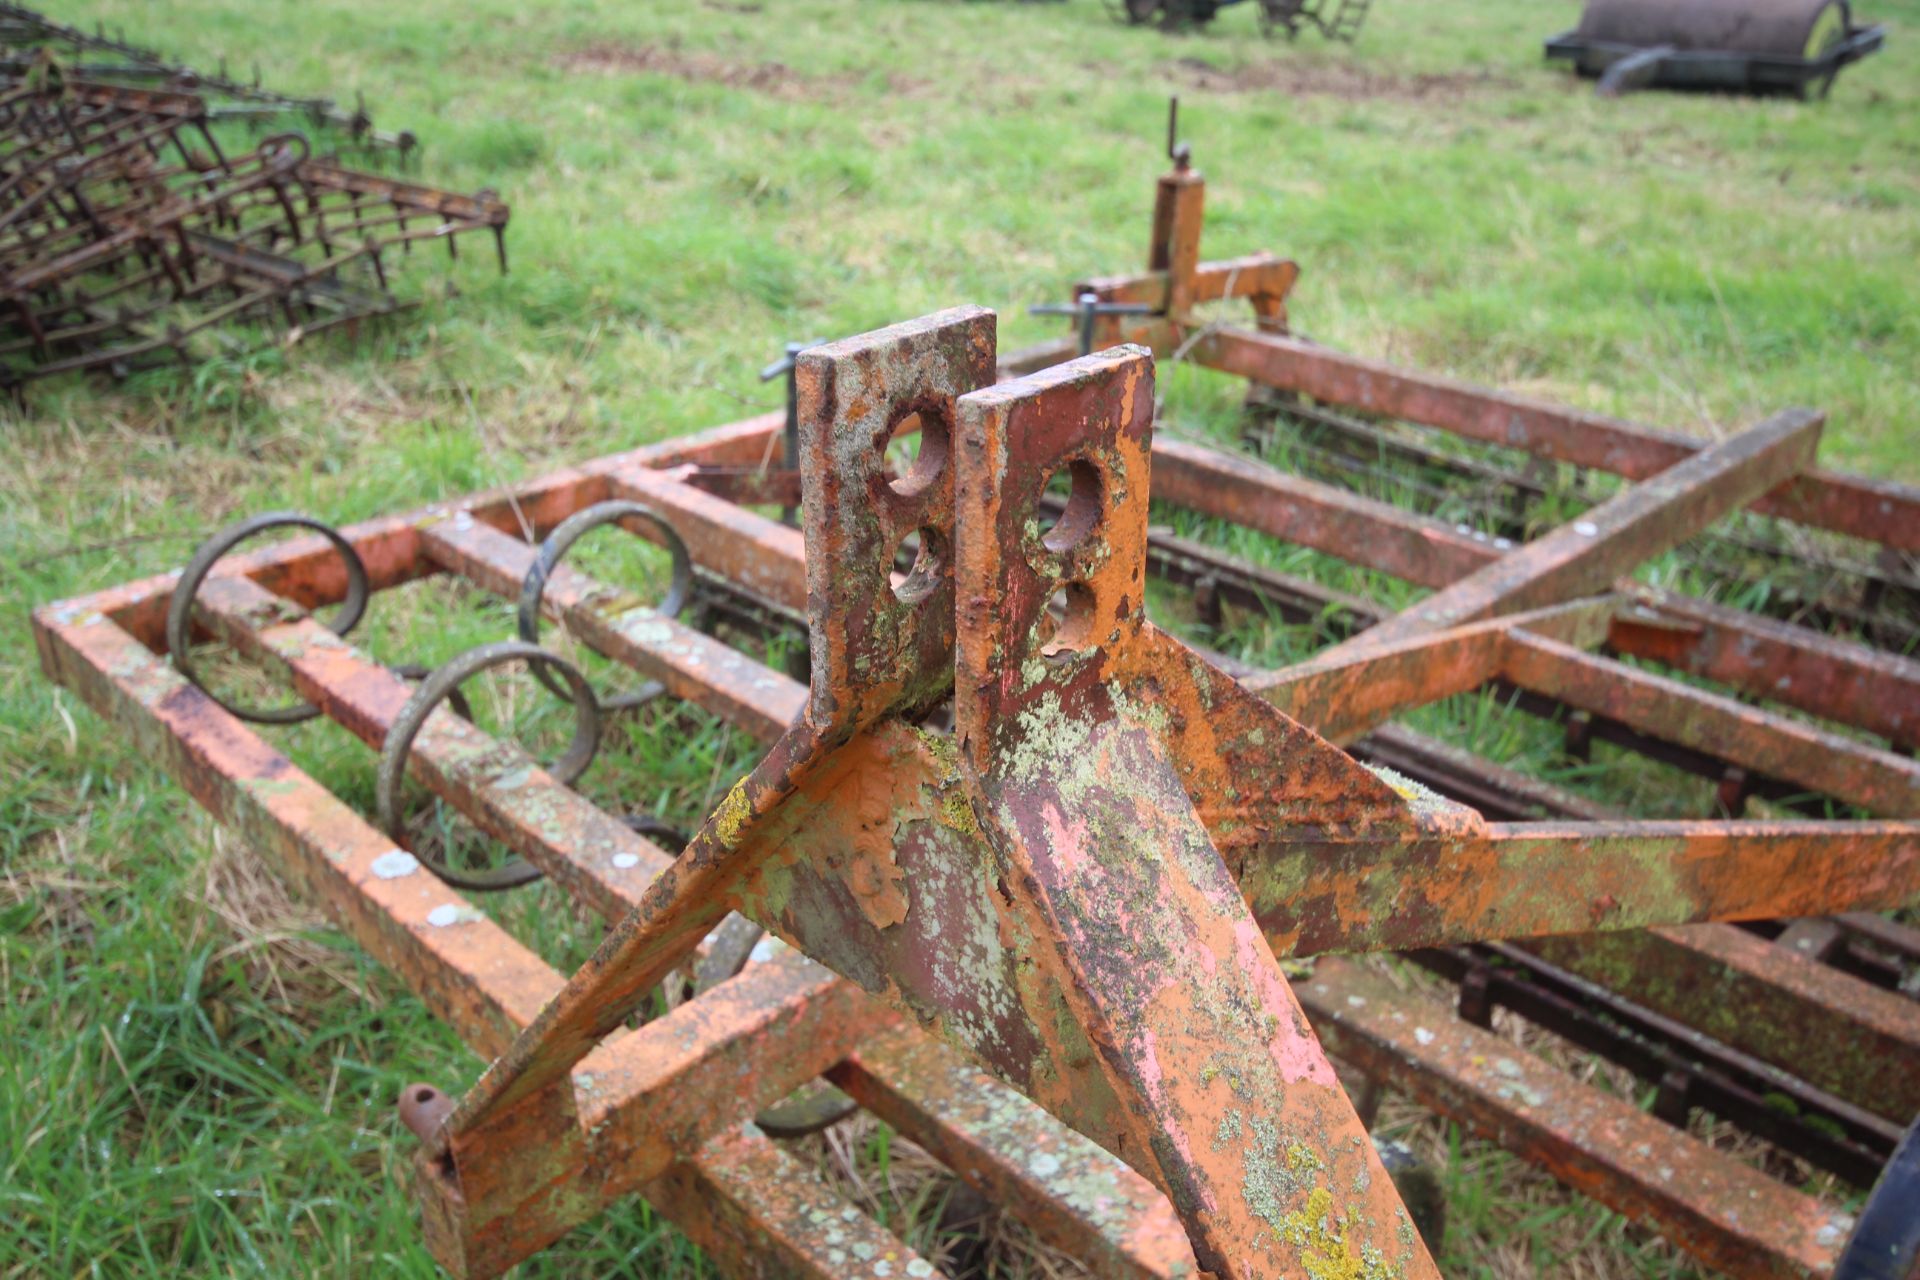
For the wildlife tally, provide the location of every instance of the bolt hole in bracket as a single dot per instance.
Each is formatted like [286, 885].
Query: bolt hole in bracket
[916, 450]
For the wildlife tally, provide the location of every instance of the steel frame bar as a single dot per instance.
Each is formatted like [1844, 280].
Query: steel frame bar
[1724, 1213]
[1878, 511]
[1580, 558]
[1855, 1041]
[1687, 1068]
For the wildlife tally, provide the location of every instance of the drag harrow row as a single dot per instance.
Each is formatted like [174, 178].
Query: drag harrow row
[128, 237]
[26, 35]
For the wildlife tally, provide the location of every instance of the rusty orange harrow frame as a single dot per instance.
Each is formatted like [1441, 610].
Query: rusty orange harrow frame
[1086, 884]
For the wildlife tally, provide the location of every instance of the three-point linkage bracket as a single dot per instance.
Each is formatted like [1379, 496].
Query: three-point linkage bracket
[1108, 764]
[1048, 888]
[1086, 884]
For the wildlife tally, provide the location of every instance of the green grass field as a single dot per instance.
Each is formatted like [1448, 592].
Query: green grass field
[198, 1073]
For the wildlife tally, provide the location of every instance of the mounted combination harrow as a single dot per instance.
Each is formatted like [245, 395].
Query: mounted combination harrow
[1009, 823]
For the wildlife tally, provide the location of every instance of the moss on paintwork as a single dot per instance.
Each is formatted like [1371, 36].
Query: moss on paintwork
[941, 746]
[1151, 714]
[1302, 1159]
[956, 813]
[1046, 739]
[1280, 1174]
[730, 817]
[1424, 802]
[1325, 1251]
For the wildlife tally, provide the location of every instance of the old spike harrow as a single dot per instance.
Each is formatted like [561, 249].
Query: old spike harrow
[25, 34]
[128, 237]
[1084, 886]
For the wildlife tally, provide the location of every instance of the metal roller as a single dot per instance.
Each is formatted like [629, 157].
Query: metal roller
[1782, 28]
[1793, 46]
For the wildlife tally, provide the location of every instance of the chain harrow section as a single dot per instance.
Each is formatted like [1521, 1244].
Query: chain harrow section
[130, 237]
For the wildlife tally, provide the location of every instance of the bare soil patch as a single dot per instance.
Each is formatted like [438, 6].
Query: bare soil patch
[774, 79]
[1342, 80]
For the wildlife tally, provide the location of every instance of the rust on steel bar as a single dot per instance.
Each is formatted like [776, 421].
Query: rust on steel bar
[1587, 554]
[1516, 880]
[1425, 552]
[1865, 688]
[1263, 278]
[691, 664]
[1728, 1215]
[1073, 1194]
[1174, 251]
[1347, 690]
[763, 555]
[758, 1211]
[599, 859]
[477, 977]
[1818, 759]
[644, 1105]
[1878, 511]
[1856, 1041]
[116, 254]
